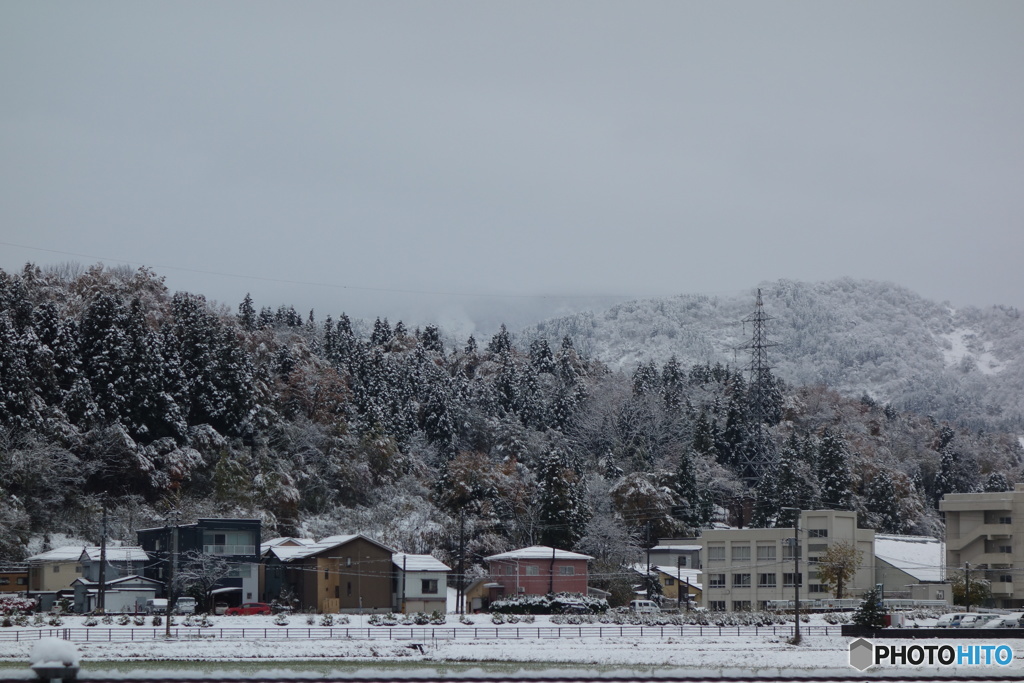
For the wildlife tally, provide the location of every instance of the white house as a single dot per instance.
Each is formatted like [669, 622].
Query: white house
[421, 583]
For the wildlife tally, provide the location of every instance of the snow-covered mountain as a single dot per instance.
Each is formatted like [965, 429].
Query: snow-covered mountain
[857, 336]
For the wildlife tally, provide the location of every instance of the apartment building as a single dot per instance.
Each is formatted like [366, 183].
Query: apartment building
[745, 569]
[980, 531]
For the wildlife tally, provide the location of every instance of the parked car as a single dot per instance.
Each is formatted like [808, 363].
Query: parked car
[220, 608]
[249, 608]
[156, 606]
[644, 606]
[185, 605]
[968, 620]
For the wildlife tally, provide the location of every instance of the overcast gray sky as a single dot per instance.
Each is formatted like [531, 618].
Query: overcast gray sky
[516, 149]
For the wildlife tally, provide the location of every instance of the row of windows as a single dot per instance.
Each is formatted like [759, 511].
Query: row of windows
[534, 570]
[767, 580]
[737, 605]
[20, 581]
[765, 553]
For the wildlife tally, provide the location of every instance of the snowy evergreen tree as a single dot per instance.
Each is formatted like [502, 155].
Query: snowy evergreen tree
[834, 472]
[500, 343]
[562, 499]
[247, 314]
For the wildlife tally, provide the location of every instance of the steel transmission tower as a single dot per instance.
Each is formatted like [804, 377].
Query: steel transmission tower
[759, 455]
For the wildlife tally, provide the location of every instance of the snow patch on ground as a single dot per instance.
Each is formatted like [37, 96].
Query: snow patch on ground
[962, 346]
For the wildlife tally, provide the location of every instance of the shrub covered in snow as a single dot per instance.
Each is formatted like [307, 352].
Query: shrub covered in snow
[281, 620]
[90, 621]
[124, 620]
[157, 620]
[139, 620]
[11, 605]
[327, 620]
[548, 604]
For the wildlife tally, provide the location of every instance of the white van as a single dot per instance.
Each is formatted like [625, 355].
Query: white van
[644, 606]
[185, 605]
[969, 620]
[946, 620]
[156, 606]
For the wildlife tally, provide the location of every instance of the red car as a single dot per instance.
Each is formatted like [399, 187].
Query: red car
[249, 608]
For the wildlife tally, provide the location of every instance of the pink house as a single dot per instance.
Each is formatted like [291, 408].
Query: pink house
[537, 570]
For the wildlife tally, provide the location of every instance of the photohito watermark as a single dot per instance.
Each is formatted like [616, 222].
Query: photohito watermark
[864, 654]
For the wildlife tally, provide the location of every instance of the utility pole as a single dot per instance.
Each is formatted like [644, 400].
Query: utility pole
[101, 598]
[967, 585]
[172, 556]
[405, 577]
[460, 590]
[796, 574]
[551, 585]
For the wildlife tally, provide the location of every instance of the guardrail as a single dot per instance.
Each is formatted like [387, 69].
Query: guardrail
[94, 634]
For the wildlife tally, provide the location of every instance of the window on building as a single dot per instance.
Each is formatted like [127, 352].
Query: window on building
[817, 533]
[532, 570]
[4, 581]
[716, 605]
[741, 580]
[429, 586]
[1006, 578]
[741, 605]
[56, 569]
[22, 581]
[762, 605]
[567, 571]
[816, 588]
[1006, 520]
[940, 595]
[509, 570]
[741, 553]
[1005, 549]
[817, 547]
[669, 581]
[348, 589]
[716, 581]
[790, 579]
[788, 552]
[716, 553]
[766, 553]
[766, 580]
[326, 574]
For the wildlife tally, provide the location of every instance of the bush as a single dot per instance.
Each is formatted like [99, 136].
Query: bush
[55, 620]
[548, 604]
[11, 605]
[310, 619]
[38, 619]
[124, 620]
[90, 621]
[157, 620]
[465, 620]
[139, 620]
[107, 619]
[327, 620]
[6, 621]
[281, 620]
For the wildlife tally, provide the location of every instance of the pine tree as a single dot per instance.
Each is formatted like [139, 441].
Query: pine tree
[870, 614]
[431, 339]
[882, 504]
[834, 472]
[672, 384]
[247, 314]
[541, 358]
[562, 499]
[500, 343]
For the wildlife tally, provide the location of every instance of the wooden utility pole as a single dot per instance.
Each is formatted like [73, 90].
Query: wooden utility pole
[101, 597]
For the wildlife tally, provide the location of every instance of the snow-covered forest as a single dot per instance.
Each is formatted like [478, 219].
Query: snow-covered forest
[598, 433]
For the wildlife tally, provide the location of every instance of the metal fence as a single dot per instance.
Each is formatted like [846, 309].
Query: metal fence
[96, 634]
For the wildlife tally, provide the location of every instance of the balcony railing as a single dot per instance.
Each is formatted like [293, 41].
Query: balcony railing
[229, 549]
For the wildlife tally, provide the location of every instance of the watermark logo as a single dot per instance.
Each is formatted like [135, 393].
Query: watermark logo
[864, 654]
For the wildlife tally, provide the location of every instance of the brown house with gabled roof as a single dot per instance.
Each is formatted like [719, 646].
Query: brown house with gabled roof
[350, 573]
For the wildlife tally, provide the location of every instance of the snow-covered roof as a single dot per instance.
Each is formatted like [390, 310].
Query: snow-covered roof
[538, 552]
[73, 553]
[286, 541]
[665, 548]
[124, 553]
[923, 557]
[289, 553]
[67, 553]
[419, 563]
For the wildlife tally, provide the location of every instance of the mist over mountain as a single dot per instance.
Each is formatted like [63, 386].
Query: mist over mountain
[854, 336]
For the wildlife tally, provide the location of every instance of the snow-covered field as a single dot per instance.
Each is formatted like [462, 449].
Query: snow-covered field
[764, 655]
